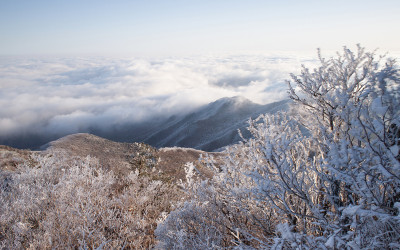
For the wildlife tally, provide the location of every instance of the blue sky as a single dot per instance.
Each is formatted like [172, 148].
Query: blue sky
[194, 27]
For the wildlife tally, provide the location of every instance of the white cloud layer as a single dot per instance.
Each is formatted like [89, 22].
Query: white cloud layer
[69, 95]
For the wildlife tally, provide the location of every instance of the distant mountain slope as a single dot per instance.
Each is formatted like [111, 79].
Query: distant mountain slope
[208, 128]
[122, 158]
[212, 126]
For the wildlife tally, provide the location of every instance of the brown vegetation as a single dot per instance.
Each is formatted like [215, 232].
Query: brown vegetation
[86, 191]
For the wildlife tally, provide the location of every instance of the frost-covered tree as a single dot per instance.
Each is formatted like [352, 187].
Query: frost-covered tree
[352, 111]
[329, 176]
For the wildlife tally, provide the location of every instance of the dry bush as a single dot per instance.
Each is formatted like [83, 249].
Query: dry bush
[74, 203]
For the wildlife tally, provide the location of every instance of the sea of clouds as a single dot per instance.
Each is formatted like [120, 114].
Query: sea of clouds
[59, 96]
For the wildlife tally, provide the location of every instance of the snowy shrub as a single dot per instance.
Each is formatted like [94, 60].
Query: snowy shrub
[69, 203]
[218, 214]
[326, 177]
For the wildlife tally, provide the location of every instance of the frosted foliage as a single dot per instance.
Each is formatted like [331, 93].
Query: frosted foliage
[214, 216]
[72, 203]
[324, 176]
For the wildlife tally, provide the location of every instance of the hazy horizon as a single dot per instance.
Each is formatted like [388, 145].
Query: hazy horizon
[181, 28]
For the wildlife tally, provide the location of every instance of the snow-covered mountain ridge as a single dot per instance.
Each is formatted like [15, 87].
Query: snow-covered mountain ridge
[213, 126]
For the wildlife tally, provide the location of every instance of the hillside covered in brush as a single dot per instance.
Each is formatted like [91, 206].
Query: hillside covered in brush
[83, 190]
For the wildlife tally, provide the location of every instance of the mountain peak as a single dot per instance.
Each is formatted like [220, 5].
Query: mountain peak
[231, 103]
[213, 126]
[233, 100]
